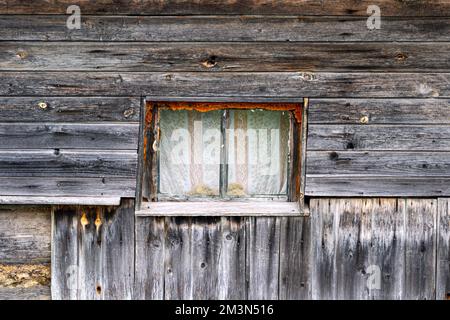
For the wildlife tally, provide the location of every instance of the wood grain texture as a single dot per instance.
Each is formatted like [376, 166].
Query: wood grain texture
[295, 254]
[67, 163]
[25, 234]
[216, 56]
[379, 163]
[63, 109]
[98, 136]
[263, 264]
[379, 111]
[50, 200]
[378, 186]
[70, 187]
[218, 84]
[420, 257]
[223, 28]
[342, 137]
[183, 7]
[93, 253]
[32, 293]
[443, 250]
[358, 240]
[150, 269]
[205, 258]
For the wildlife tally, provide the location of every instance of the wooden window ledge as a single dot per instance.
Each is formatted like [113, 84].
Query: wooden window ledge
[219, 208]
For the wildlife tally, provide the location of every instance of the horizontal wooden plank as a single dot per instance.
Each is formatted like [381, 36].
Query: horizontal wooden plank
[344, 7]
[25, 234]
[223, 28]
[379, 111]
[50, 200]
[379, 137]
[32, 293]
[352, 186]
[268, 84]
[382, 163]
[67, 163]
[115, 136]
[67, 187]
[219, 208]
[214, 56]
[62, 109]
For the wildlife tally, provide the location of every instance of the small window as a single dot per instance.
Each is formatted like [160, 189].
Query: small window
[221, 158]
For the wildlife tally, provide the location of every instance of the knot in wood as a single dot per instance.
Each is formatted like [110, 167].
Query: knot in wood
[42, 105]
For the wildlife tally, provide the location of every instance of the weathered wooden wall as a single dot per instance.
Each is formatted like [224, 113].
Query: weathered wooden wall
[379, 126]
[330, 255]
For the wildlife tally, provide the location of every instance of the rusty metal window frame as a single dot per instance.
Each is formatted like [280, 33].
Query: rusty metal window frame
[145, 184]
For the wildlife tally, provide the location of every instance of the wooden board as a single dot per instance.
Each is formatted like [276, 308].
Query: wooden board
[152, 7]
[93, 253]
[379, 163]
[63, 109]
[67, 163]
[225, 57]
[378, 186]
[443, 250]
[25, 234]
[33, 293]
[96, 136]
[70, 187]
[357, 241]
[218, 84]
[380, 111]
[378, 137]
[224, 28]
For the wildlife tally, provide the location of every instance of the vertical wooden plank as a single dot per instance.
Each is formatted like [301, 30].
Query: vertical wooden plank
[178, 259]
[324, 233]
[263, 249]
[205, 258]
[118, 251]
[150, 250]
[420, 263]
[443, 251]
[230, 282]
[93, 252]
[295, 253]
[64, 254]
[386, 249]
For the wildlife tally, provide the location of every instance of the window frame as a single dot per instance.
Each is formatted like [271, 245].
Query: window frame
[148, 163]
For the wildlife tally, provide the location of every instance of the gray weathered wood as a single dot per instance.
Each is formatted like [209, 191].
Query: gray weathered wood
[219, 208]
[152, 7]
[245, 84]
[376, 186]
[50, 200]
[295, 254]
[93, 253]
[379, 163]
[223, 28]
[420, 258]
[25, 234]
[32, 293]
[263, 264]
[62, 109]
[443, 250]
[67, 163]
[379, 111]
[216, 56]
[70, 187]
[68, 136]
[379, 137]
[150, 258]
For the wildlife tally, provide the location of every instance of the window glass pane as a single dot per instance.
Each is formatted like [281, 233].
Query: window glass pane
[258, 147]
[189, 157]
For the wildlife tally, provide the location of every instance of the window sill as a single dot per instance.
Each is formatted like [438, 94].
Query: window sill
[219, 208]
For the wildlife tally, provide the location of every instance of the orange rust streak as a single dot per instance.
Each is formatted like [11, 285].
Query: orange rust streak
[296, 108]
